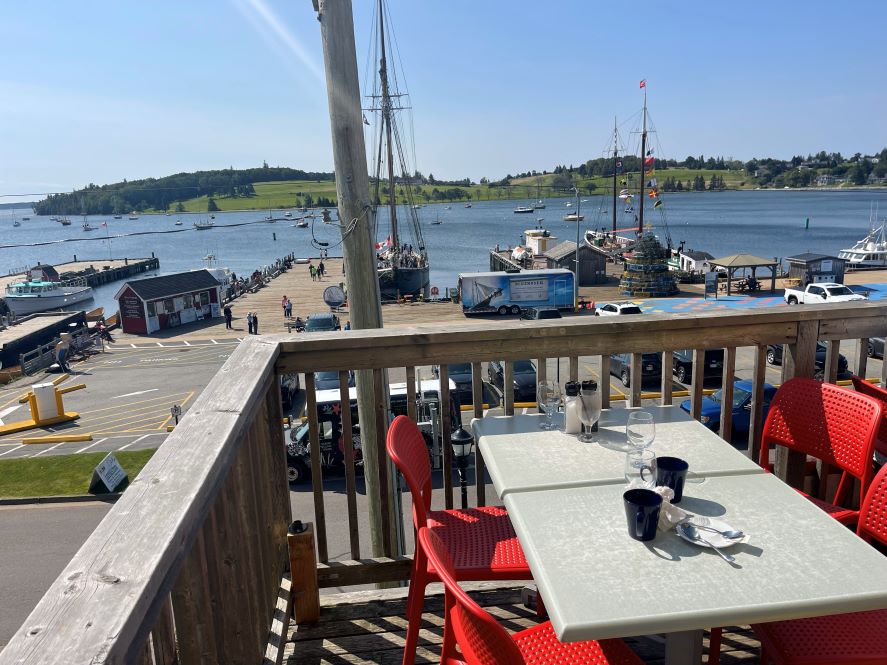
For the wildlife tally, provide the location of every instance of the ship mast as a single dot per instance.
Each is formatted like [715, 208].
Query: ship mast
[615, 162]
[643, 156]
[386, 124]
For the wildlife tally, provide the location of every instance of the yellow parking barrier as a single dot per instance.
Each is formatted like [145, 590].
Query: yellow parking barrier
[58, 438]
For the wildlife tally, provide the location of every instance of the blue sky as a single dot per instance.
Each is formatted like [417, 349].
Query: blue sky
[96, 91]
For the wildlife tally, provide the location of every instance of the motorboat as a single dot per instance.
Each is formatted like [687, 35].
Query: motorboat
[88, 227]
[574, 217]
[287, 214]
[301, 224]
[16, 223]
[523, 209]
[178, 222]
[204, 225]
[35, 295]
[870, 252]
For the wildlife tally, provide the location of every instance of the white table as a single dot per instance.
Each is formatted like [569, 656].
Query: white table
[519, 456]
[597, 582]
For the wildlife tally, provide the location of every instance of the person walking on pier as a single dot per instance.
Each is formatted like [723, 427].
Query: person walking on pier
[249, 322]
[255, 323]
[288, 309]
[313, 273]
[320, 270]
[228, 316]
[283, 302]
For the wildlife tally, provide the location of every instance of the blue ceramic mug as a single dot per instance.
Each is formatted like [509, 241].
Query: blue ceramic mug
[642, 512]
[672, 472]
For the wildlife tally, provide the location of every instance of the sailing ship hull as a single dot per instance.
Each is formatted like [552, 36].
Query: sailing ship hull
[400, 282]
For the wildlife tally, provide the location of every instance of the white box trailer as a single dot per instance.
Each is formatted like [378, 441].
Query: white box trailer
[512, 292]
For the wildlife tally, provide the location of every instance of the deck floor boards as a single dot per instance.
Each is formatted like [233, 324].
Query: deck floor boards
[368, 628]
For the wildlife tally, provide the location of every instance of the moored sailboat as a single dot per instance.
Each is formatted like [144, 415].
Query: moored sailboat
[871, 251]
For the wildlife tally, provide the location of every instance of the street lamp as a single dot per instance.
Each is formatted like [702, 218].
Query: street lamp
[462, 443]
[578, 228]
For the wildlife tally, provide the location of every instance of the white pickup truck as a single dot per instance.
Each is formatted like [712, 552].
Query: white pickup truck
[820, 293]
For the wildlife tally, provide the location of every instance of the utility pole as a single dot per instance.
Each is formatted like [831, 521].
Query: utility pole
[353, 193]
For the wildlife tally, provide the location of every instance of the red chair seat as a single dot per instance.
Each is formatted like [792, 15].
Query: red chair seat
[481, 541]
[540, 645]
[843, 515]
[859, 638]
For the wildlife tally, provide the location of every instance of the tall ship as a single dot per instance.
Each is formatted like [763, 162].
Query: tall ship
[402, 259]
[870, 252]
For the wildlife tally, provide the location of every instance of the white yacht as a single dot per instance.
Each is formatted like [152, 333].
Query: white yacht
[34, 295]
[870, 252]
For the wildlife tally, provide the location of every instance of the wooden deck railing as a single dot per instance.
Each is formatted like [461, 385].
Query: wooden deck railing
[188, 562]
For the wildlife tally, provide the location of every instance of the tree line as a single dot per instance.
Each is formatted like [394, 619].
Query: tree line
[162, 193]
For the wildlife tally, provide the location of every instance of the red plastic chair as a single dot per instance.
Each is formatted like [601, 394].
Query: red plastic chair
[483, 641]
[481, 541]
[858, 638]
[879, 394]
[830, 423]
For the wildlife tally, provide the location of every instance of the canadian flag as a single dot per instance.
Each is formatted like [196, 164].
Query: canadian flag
[385, 243]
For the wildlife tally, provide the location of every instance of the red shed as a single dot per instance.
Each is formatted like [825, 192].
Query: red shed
[155, 303]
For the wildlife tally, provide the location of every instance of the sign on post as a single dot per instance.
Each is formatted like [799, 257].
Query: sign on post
[107, 476]
[711, 285]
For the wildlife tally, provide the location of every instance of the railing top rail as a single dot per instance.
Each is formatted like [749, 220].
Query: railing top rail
[367, 349]
[102, 606]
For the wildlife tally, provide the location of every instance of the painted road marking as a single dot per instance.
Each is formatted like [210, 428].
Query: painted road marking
[132, 443]
[186, 342]
[134, 346]
[46, 450]
[213, 341]
[140, 392]
[158, 344]
[94, 443]
[6, 412]
[12, 450]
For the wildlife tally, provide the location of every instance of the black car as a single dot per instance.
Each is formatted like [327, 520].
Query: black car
[460, 374]
[774, 357]
[322, 322]
[682, 365]
[539, 313]
[524, 378]
[651, 368]
[330, 380]
[876, 347]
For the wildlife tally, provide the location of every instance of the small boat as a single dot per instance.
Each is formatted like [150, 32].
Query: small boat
[53, 219]
[203, 226]
[446, 207]
[568, 204]
[64, 221]
[870, 252]
[16, 223]
[38, 295]
[133, 216]
[467, 205]
[118, 216]
[301, 224]
[94, 315]
[436, 222]
[169, 214]
[212, 216]
[88, 227]
[26, 219]
[523, 210]
[416, 206]
[178, 222]
[287, 214]
[573, 217]
[539, 205]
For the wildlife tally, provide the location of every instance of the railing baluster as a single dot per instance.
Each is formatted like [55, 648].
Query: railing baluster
[755, 417]
[477, 399]
[281, 508]
[508, 387]
[163, 637]
[316, 473]
[798, 359]
[666, 387]
[696, 383]
[830, 374]
[350, 479]
[193, 607]
[636, 379]
[884, 371]
[862, 357]
[445, 432]
[574, 368]
[605, 381]
[541, 369]
[411, 394]
[385, 485]
[726, 426]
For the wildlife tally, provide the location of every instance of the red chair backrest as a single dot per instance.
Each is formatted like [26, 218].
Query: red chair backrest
[877, 393]
[409, 452]
[482, 640]
[873, 514]
[830, 423]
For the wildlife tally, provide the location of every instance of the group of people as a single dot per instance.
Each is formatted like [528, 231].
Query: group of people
[287, 306]
[252, 323]
[316, 272]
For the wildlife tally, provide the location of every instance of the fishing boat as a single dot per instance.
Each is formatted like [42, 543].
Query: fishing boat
[40, 295]
[402, 260]
[204, 225]
[133, 217]
[868, 253]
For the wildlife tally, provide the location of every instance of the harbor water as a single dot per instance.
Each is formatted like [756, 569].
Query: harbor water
[765, 223]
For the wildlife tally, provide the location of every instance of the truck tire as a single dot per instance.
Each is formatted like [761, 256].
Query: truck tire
[515, 309]
[503, 310]
[626, 378]
[681, 373]
[792, 300]
[296, 470]
[871, 350]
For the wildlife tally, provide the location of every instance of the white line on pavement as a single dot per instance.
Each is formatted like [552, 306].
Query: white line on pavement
[213, 341]
[158, 344]
[140, 392]
[12, 450]
[132, 443]
[6, 412]
[186, 342]
[134, 346]
[46, 450]
[94, 443]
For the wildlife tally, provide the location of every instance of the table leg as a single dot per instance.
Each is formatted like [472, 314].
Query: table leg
[684, 648]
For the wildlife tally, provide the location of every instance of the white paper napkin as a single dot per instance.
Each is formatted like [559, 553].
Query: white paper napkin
[669, 514]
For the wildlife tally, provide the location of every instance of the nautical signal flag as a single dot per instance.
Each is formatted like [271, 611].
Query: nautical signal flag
[385, 243]
[657, 204]
[619, 166]
[649, 161]
[643, 83]
[653, 193]
[653, 183]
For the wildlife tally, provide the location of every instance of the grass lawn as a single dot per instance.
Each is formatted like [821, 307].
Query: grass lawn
[61, 475]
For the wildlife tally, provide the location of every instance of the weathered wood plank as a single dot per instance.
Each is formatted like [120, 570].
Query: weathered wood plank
[364, 571]
[446, 431]
[193, 609]
[163, 637]
[411, 393]
[277, 635]
[798, 360]
[831, 360]
[508, 387]
[756, 416]
[666, 383]
[726, 426]
[477, 398]
[696, 381]
[316, 471]
[574, 368]
[380, 399]
[862, 356]
[350, 477]
[636, 379]
[605, 380]
[303, 573]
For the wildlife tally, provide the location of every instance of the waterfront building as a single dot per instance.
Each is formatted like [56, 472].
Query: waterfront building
[592, 261]
[816, 268]
[157, 303]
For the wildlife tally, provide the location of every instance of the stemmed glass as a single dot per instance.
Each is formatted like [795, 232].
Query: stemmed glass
[640, 430]
[548, 396]
[590, 410]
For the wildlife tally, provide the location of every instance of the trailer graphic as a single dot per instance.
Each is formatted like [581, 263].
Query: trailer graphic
[506, 292]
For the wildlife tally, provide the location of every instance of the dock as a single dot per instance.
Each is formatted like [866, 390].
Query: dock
[31, 332]
[95, 271]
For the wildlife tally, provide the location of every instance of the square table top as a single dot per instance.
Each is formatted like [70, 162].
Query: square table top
[519, 456]
[599, 583]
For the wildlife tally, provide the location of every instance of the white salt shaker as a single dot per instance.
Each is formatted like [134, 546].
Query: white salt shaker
[572, 407]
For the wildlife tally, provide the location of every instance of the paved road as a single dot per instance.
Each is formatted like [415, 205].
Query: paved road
[36, 545]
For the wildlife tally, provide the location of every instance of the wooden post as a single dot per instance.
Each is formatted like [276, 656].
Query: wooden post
[303, 572]
[798, 359]
[353, 198]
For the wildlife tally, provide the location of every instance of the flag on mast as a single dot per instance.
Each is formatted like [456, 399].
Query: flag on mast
[643, 83]
[385, 243]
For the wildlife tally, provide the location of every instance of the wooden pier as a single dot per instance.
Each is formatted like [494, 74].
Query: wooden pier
[95, 271]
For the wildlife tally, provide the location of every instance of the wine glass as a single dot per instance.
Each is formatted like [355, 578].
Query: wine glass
[548, 396]
[640, 430]
[589, 412]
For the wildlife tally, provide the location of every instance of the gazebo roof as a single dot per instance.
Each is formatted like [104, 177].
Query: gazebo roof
[742, 261]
